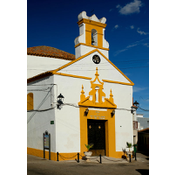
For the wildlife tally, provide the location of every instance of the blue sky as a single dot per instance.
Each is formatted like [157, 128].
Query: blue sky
[54, 23]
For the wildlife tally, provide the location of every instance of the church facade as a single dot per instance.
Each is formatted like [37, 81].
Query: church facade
[97, 99]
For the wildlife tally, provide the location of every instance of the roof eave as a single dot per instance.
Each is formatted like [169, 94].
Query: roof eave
[40, 76]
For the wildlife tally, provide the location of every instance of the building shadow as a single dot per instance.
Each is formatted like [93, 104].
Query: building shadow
[146, 153]
[143, 171]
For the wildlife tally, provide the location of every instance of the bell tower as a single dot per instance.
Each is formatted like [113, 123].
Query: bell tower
[91, 35]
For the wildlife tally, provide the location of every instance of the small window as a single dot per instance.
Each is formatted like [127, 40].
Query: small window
[30, 101]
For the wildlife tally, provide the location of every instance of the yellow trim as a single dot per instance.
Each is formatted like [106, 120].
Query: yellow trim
[96, 78]
[39, 153]
[87, 21]
[62, 156]
[84, 101]
[88, 35]
[89, 26]
[70, 75]
[88, 78]
[117, 69]
[70, 63]
[103, 48]
[118, 82]
[109, 81]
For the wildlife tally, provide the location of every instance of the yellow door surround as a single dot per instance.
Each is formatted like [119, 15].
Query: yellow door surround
[97, 109]
[109, 129]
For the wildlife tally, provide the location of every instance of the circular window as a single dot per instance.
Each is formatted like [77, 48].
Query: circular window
[96, 59]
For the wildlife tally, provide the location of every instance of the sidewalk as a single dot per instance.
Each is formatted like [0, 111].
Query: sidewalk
[112, 166]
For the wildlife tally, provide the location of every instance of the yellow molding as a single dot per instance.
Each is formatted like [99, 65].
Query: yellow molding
[86, 98]
[70, 63]
[70, 75]
[98, 105]
[62, 156]
[109, 81]
[97, 100]
[97, 78]
[99, 33]
[118, 82]
[131, 83]
[112, 103]
[89, 26]
[87, 21]
[88, 78]
[103, 48]
[39, 153]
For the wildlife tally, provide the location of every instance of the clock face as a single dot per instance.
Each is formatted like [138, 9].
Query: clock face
[96, 59]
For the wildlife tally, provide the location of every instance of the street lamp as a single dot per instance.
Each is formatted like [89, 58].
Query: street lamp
[112, 113]
[60, 101]
[86, 112]
[134, 107]
[136, 103]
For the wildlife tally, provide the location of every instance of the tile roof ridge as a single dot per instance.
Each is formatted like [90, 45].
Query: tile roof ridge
[48, 51]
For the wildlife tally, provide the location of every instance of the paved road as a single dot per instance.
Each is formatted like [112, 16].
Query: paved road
[39, 166]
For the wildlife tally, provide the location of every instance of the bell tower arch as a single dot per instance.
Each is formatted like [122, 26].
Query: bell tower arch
[91, 35]
[94, 39]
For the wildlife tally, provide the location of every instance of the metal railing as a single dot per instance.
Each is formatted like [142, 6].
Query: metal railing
[98, 158]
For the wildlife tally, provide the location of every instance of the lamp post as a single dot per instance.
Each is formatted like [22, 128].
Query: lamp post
[60, 101]
[134, 107]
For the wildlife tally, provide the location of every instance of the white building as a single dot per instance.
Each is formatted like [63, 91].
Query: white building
[143, 122]
[97, 98]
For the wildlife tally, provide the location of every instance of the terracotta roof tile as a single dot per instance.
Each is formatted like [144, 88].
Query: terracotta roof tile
[47, 51]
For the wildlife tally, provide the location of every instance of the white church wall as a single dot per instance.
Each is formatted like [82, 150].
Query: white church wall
[67, 119]
[37, 65]
[122, 95]
[39, 122]
[65, 133]
[105, 43]
[86, 67]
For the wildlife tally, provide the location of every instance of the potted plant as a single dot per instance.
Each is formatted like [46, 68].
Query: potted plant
[124, 152]
[129, 145]
[88, 153]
